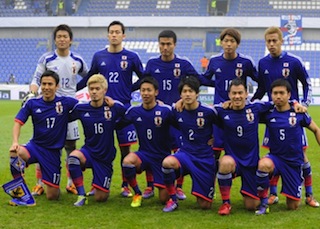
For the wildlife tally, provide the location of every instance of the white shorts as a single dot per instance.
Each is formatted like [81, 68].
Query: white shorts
[73, 131]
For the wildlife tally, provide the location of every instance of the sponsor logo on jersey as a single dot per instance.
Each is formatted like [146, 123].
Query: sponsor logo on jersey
[226, 117]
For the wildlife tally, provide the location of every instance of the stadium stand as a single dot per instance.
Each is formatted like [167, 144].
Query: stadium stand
[25, 8]
[19, 56]
[142, 8]
[308, 8]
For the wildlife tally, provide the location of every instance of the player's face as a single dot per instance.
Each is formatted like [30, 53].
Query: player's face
[280, 96]
[148, 93]
[229, 45]
[188, 95]
[48, 88]
[238, 96]
[166, 47]
[115, 35]
[62, 40]
[96, 92]
[273, 44]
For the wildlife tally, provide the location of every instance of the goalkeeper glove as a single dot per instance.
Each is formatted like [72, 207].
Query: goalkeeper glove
[30, 95]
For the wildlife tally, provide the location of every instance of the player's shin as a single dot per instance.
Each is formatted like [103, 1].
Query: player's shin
[76, 174]
[130, 175]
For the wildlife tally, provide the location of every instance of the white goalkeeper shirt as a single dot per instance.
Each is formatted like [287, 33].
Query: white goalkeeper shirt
[67, 67]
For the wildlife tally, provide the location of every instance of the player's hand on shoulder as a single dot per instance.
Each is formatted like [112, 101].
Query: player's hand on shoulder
[179, 105]
[160, 102]
[299, 108]
[227, 105]
[109, 101]
[30, 95]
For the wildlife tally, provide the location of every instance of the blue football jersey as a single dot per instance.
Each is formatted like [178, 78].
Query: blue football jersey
[196, 128]
[98, 126]
[241, 130]
[223, 71]
[152, 127]
[286, 66]
[169, 74]
[118, 69]
[285, 134]
[49, 120]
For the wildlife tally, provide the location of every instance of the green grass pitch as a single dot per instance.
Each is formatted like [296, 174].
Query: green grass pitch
[117, 213]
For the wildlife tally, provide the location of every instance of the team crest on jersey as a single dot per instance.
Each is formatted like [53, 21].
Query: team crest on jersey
[107, 113]
[249, 115]
[239, 72]
[200, 122]
[285, 72]
[158, 120]
[176, 70]
[292, 119]
[59, 107]
[124, 62]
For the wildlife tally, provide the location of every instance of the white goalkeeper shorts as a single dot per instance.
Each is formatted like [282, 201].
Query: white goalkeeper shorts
[73, 131]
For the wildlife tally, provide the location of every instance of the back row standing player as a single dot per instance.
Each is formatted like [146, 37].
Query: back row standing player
[225, 67]
[67, 65]
[278, 65]
[117, 64]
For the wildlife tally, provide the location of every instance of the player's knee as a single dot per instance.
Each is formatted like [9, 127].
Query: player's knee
[53, 193]
[292, 204]
[226, 164]
[101, 196]
[205, 205]
[130, 159]
[169, 162]
[251, 205]
[265, 164]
